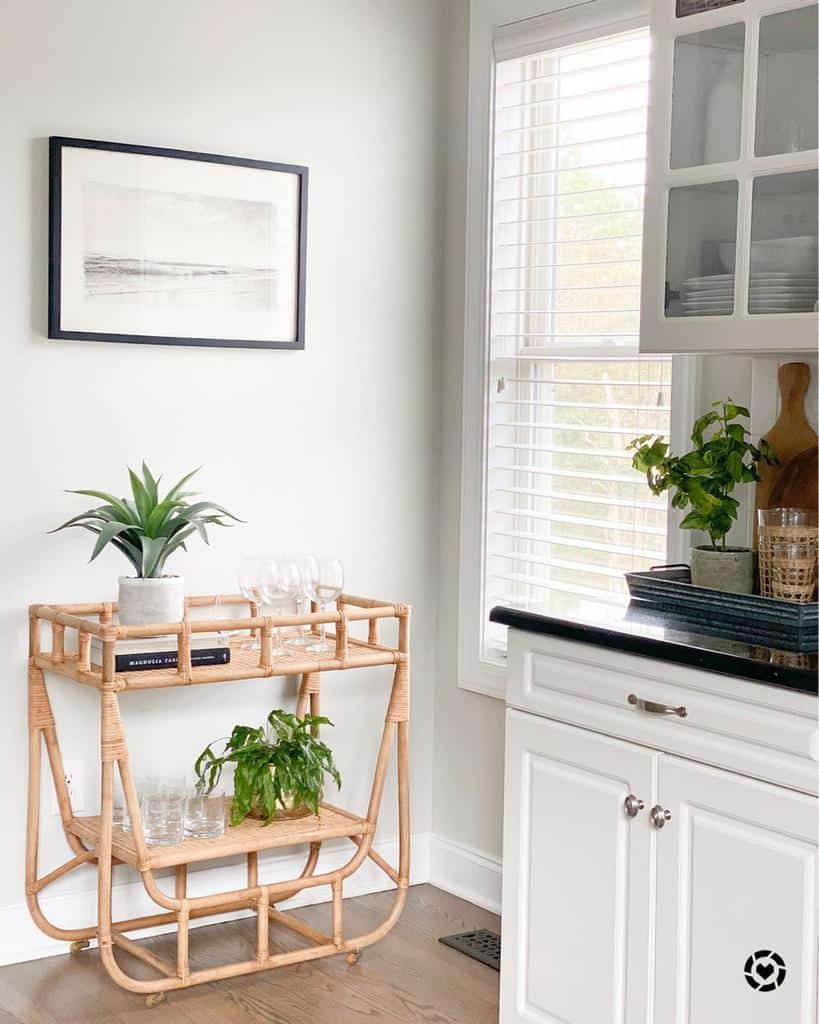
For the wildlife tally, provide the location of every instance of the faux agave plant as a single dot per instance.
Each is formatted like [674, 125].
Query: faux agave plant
[147, 528]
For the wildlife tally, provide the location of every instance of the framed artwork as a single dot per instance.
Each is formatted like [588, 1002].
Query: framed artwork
[168, 247]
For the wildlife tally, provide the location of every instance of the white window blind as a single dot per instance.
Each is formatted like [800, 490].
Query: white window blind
[566, 515]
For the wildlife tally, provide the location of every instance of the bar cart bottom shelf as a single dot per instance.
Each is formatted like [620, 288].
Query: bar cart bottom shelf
[249, 837]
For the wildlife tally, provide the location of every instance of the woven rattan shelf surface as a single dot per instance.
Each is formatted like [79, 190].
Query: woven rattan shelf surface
[252, 835]
[243, 664]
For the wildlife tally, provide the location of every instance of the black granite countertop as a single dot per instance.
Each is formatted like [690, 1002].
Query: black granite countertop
[641, 629]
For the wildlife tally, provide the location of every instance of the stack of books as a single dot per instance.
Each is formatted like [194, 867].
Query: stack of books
[162, 652]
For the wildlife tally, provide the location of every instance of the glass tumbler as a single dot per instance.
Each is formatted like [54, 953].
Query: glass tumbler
[782, 526]
[162, 804]
[121, 818]
[204, 813]
[793, 571]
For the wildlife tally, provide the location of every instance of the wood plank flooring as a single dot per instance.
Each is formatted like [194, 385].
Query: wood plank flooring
[407, 978]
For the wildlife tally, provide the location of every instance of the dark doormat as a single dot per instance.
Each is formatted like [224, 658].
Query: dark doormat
[481, 945]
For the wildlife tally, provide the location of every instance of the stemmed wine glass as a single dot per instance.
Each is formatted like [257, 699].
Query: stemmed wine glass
[295, 572]
[274, 591]
[325, 581]
[250, 573]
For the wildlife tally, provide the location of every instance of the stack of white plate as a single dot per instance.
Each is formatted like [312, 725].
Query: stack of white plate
[770, 292]
[708, 296]
[782, 292]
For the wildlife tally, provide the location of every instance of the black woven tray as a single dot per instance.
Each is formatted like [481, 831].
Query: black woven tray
[769, 620]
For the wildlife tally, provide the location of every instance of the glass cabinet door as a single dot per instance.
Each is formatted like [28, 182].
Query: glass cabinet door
[706, 105]
[701, 249]
[787, 100]
[784, 243]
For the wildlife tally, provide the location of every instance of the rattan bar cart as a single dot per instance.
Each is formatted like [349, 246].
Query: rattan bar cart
[96, 839]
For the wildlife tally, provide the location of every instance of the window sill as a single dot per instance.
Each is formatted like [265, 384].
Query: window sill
[485, 678]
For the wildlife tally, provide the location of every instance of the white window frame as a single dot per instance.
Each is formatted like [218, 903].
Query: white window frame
[539, 24]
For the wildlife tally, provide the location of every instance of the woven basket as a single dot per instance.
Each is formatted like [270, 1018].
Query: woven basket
[791, 659]
[770, 535]
[793, 579]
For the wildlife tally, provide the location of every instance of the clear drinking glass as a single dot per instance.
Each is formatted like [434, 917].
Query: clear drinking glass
[291, 587]
[249, 579]
[221, 610]
[204, 813]
[273, 593]
[787, 517]
[121, 818]
[793, 571]
[325, 581]
[296, 572]
[162, 804]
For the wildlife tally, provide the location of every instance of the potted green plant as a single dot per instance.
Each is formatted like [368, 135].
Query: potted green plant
[279, 767]
[147, 529]
[703, 481]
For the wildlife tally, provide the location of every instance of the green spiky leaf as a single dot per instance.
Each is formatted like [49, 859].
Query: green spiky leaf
[148, 528]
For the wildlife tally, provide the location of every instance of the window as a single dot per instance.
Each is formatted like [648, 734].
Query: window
[564, 515]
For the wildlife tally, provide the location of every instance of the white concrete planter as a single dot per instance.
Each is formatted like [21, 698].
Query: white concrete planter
[731, 570]
[143, 602]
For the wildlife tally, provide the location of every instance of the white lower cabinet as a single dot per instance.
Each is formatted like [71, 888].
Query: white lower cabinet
[576, 892]
[736, 900]
[698, 907]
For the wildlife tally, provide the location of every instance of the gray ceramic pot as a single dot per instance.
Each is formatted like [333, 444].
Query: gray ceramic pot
[731, 569]
[144, 602]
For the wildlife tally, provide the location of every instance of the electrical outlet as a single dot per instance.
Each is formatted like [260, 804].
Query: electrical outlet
[74, 775]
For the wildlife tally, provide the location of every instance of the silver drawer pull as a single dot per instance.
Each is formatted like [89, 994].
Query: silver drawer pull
[653, 708]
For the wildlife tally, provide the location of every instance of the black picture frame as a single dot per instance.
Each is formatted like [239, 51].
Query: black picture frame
[57, 144]
[685, 8]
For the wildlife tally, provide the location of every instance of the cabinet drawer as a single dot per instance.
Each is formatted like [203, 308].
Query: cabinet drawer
[748, 727]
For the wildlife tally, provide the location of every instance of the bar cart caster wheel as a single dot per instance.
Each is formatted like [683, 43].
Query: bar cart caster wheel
[354, 957]
[78, 946]
[154, 999]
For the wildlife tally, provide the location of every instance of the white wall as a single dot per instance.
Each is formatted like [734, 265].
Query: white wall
[468, 774]
[333, 448]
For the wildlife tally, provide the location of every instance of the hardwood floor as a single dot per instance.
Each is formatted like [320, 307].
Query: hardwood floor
[407, 977]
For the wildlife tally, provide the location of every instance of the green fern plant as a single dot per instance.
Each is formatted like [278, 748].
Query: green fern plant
[279, 764]
[147, 528]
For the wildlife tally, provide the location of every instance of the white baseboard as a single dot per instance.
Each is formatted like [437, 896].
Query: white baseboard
[465, 872]
[21, 939]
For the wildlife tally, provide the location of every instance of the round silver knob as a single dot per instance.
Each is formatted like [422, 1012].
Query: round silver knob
[633, 805]
[659, 816]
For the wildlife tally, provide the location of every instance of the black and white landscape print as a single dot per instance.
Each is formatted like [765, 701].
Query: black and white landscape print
[155, 245]
[178, 250]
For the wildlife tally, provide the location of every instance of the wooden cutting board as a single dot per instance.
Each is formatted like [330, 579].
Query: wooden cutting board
[790, 436]
[798, 484]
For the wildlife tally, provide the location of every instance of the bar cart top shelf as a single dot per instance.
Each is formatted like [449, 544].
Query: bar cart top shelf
[97, 620]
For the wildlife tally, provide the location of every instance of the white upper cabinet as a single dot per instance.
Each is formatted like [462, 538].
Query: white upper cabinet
[730, 235]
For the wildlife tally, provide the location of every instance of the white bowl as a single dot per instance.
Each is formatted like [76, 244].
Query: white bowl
[793, 255]
[786, 255]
